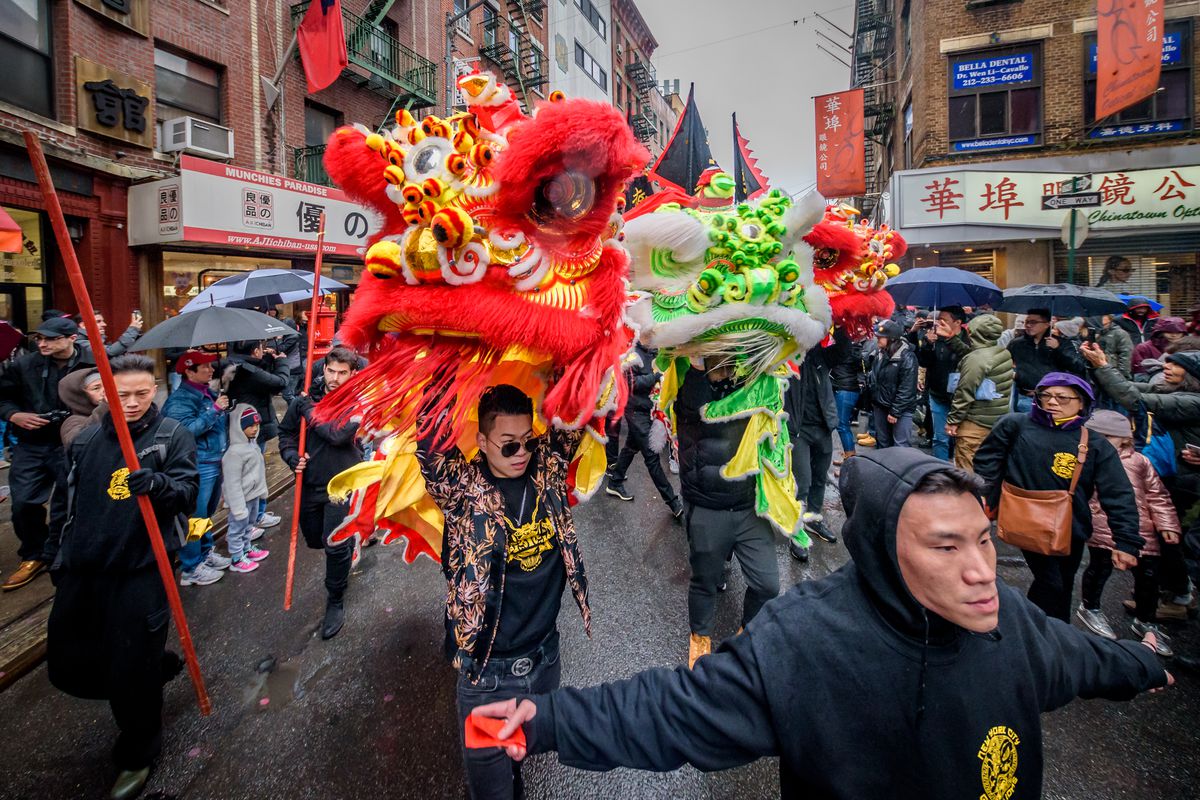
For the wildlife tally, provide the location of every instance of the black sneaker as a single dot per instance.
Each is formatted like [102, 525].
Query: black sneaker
[819, 529]
[799, 553]
[618, 491]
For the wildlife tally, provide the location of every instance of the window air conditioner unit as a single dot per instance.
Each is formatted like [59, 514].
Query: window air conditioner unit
[196, 136]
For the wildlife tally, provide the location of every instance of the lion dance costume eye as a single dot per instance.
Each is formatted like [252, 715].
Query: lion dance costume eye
[498, 262]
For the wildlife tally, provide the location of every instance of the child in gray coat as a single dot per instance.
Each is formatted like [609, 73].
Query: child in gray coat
[244, 475]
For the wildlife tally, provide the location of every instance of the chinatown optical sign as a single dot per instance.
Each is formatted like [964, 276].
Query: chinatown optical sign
[1128, 199]
[214, 203]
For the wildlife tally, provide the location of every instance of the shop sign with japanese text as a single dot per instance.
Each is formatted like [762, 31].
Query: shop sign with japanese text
[216, 203]
[114, 104]
[1128, 199]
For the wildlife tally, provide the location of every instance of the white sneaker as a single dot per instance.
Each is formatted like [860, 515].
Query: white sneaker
[267, 520]
[256, 533]
[673, 465]
[217, 561]
[202, 575]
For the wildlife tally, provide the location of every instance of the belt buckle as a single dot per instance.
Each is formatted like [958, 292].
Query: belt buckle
[522, 666]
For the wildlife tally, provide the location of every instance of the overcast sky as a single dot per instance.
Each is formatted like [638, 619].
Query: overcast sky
[748, 56]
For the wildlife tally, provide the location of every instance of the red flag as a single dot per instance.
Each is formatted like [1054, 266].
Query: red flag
[1128, 52]
[841, 166]
[322, 43]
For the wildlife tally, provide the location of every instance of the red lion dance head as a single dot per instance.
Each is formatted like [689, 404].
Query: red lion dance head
[498, 262]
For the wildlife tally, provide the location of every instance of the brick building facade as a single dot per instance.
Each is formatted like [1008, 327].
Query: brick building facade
[149, 64]
[996, 98]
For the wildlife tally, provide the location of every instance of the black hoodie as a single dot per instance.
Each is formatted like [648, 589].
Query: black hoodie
[331, 446]
[859, 690]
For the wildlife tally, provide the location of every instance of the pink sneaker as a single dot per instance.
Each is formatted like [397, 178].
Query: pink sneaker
[257, 554]
[244, 565]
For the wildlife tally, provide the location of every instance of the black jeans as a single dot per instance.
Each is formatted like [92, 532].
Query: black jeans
[612, 448]
[491, 774]
[318, 519]
[1145, 582]
[810, 464]
[638, 442]
[712, 536]
[1054, 580]
[38, 474]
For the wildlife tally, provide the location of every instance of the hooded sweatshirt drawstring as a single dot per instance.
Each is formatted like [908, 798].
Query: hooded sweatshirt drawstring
[924, 662]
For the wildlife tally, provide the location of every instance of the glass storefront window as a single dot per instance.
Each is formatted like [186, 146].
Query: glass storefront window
[1135, 267]
[186, 274]
[26, 266]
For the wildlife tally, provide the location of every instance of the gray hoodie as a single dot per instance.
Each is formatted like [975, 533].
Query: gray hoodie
[243, 469]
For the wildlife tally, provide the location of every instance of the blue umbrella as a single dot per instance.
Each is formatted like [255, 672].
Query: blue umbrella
[938, 287]
[1141, 298]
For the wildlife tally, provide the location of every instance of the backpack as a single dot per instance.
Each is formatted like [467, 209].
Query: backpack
[162, 439]
[1159, 448]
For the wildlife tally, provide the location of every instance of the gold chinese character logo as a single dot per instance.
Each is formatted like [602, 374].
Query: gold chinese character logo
[118, 485]
[999, 768]
[1064, 465]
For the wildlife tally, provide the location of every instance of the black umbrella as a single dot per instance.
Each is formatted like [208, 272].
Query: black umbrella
[261, 287]
[213, 325]
[1062, 300]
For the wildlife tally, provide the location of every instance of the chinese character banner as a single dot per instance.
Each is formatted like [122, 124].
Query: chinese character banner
[1129, 42]
[1133, 198]
[841, 168]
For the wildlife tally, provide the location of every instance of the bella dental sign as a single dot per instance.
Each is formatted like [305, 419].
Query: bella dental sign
[994, 71]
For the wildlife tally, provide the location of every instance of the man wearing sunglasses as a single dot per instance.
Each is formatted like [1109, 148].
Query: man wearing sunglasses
[508, 550]
[29, 401]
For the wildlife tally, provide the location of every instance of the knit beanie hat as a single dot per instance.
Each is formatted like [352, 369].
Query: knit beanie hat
[889, 329]
[91, 378]
[1110, 423]
[1189, 360]
[1069, 327]
[249, 417]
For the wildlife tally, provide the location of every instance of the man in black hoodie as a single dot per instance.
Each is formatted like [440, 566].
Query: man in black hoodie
[107, 633]
[30, 402]
[329, 448]
[924, 676]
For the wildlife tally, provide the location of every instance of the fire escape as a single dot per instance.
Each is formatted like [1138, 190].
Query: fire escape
[509, 45]
[873, 65]
[642, 119]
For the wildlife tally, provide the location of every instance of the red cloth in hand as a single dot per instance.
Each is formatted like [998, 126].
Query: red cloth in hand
[481, 732]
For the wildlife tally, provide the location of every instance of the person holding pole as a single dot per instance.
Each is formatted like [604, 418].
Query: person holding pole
[107, 632]
[329, 449]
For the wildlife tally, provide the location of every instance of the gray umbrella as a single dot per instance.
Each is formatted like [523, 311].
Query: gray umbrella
[1062, 300]
[212, 325]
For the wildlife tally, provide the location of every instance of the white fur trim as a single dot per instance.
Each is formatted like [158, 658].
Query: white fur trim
[808, 329]
[800, 218]
[682, 236]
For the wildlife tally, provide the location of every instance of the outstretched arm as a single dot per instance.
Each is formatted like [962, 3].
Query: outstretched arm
[713, 717]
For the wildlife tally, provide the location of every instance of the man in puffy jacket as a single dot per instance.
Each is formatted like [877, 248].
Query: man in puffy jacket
[891, 647]
[1139, 320]
[893, 385]
[642, 380]
[205, 414]
[984, 390]
[719, 513]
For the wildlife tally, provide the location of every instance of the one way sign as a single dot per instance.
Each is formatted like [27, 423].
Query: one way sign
[1051, 202]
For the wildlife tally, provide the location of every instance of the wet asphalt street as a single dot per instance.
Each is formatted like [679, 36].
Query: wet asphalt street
[370, 713]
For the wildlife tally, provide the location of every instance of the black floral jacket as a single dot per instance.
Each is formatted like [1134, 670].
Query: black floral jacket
[475, 540]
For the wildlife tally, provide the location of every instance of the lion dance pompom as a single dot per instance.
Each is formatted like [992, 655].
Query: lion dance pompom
[498, 262]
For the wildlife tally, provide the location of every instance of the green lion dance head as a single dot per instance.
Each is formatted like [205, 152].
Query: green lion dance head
[732, 286]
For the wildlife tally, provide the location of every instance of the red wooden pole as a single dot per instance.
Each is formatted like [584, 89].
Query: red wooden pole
[308, 363]
[84, 301]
